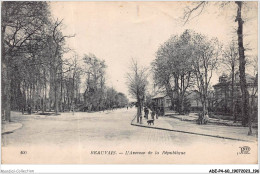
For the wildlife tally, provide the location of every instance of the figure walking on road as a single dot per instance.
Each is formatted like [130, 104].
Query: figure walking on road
[153, 114]
[29, 110]
[146, 112]
[157, 113]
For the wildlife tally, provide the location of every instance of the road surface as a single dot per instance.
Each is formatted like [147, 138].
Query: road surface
[108, 137]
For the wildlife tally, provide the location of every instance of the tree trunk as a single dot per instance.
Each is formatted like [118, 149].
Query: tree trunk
[204, 105]
[251, 114]
[138, 111]
[44, 93]
[182, 96]
[55, 94]
[242, 63]
[51, 90]
[176, 89]
[232, 93]
[6, 92]
[181, 100]
[61, 93]
[6, 82]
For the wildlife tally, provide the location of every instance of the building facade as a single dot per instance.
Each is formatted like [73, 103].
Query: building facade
[192, 102]
[223, 93]
[162, 103]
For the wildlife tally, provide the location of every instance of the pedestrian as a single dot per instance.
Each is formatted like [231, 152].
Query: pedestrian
[162, 112]
[153, 114]
[146, 112]
[22, 110]
[157, 113]
[36, 108]
[203, 119]
[29, 110]
[206, 117]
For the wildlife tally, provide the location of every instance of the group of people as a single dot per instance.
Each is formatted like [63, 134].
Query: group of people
[203, 119]
[28, 109]
[154, 113]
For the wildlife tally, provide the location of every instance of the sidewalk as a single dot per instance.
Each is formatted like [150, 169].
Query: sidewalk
[193, 117]
[190, 127]
[9, 127]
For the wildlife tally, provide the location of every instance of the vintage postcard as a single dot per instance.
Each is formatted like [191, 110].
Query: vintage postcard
[129, 82]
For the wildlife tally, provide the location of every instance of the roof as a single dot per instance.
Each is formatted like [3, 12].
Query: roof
[249, 80]
[159, 95]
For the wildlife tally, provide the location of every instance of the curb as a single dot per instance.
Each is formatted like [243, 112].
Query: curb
[7, 131]
[194, 133]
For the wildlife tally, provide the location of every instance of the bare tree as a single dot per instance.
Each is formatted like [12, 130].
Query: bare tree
[57, 47]
[95, 82]
[71, 79]
[198, 8]
[137, 85]
[230, 61]
[242, 63]
[253, 93]
[206, 53]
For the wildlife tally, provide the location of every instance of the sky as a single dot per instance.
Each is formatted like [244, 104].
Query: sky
[120, 31]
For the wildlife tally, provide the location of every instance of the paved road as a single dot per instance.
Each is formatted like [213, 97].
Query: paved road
[69, 138]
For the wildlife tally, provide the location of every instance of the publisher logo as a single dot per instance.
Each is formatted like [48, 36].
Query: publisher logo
[244, 150]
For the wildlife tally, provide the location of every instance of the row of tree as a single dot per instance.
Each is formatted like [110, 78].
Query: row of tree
[97, 95]
[35, 74]
[195, 10]
[32, 46]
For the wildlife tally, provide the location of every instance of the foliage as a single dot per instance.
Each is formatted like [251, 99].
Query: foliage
[97, 95]
[173, 67]
[35, 74]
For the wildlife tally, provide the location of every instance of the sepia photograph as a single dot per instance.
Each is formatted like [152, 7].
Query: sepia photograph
[123, 82]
